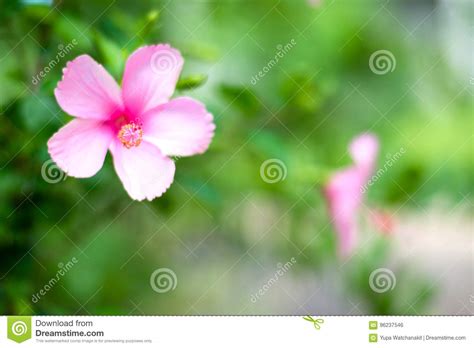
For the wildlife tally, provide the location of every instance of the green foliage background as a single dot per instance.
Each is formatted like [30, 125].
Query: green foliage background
[220, 227]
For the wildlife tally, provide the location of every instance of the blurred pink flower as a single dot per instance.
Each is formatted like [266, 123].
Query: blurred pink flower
[138, 123]
[382, 220]
[345, 190]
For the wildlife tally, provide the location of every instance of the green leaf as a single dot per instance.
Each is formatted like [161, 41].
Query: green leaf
[150, 23]
[68, 28]
[242, 98]
[111, 55]
[10, 86]
[191, 82]
[36, 111]
[201, 51]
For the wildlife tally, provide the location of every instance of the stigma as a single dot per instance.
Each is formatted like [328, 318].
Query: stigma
[130, 135]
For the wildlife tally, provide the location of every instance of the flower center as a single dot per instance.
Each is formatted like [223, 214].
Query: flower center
[130, 134]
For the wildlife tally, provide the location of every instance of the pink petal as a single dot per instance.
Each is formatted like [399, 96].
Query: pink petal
[144, 171]
[364, 150]
[344, 196]
[150, 77]
[344, 191]
[88, 91]
[182, 127]
[79, 148]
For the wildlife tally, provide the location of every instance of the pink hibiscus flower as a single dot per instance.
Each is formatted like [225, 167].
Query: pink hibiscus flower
[138, 123]
[345, 190]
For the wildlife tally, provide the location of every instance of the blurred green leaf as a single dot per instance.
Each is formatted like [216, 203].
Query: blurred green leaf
[11, 86]
[37, 111]
[112, 56]
[241, 98]
[191, 82]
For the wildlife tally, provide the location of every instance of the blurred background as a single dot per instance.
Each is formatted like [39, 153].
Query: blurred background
[288, 80]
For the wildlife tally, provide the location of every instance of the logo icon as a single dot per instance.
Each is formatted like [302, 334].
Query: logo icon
[19, 328]
[382, 62]
[382, 280]
[163, 280]
[372, 338]
[373, 325]
[273, 170]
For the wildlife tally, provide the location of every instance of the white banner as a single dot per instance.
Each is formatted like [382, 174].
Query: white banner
[236, 331]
